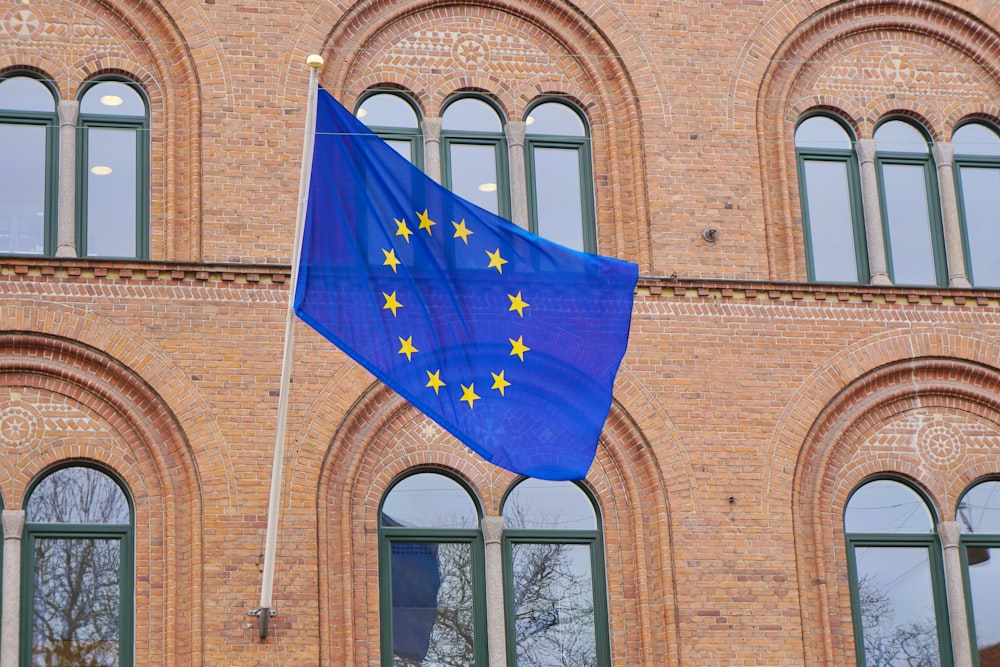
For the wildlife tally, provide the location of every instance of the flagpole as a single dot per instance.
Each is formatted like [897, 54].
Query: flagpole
[274, 503]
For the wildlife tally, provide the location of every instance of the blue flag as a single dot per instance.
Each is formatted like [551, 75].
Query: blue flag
[508, 341]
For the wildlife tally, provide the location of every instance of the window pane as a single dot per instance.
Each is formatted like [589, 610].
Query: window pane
[429, 500]
[558, 200]
[111, 192]
[387, 110]
[980, 203]
[22, 188]
[909, 223]
[979, 509]
[885, 506]
[78, 495]
[112, 98]
[896, 603]
[471, 115]
[540, 504]
[23, 93]
[474, 174]
[404, 148]
[976, 139]
[76, 602]
[432, 604]
[553, 118]
[822, 132]
[831, 224]
[553, 604]
[897, 136]
[984, 583]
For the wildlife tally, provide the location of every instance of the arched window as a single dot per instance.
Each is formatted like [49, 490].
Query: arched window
[394, 118]
[911, 212]
[554, 598]
[832, 215]
[977, 166]
[897, 582]
[561, 187]
[431, 574]
[28, 170]
[78, 576]
[979, 518]
[474, 154]
[114, 171]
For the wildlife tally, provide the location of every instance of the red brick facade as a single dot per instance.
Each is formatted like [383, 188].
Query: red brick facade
[748, 407]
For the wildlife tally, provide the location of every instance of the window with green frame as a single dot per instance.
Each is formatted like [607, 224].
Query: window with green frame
[431, 574]
[113, 216]
[394, 118]
[560, 185]
[977, 175]
[897, 580]
[28, 169]
[979, 518]
[830, 192]
[78, 571]
[911, 211]
[555, 598]
[474, 154]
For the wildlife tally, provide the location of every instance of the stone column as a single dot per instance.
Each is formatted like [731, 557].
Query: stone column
[873, 213]
[495, 621]
[431, 127]
[69, 114]
[13, 526]
[944, 157]
[951, 534]
[518, 174]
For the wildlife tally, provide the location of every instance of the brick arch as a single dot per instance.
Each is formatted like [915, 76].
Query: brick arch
[837, 457]
[358, 37]
[382, 436]
[779, 56]
[142, 442]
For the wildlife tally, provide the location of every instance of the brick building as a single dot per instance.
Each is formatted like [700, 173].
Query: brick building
[802, 460]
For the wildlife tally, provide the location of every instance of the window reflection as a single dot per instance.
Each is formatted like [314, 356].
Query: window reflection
[473, 151]
[979, 517]
[429, 500]
[887, 506]
[977, 159]
[540, 504]
[395, 120]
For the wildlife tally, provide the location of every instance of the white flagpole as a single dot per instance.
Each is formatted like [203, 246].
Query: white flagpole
[274, 503]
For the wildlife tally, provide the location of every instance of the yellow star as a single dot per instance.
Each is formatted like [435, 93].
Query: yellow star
[461, 231]
[391, 303]
[518, 348]
[517, 304]
[499, 383]
[390, 259]
[425, 222]
[407, 347]
[469, 394]
[434, 380]
[496, 261]
[402, 229]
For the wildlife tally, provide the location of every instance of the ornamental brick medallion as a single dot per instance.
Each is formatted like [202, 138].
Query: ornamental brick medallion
[470, 52]
[22, 23]
[21, 425]
[429, 432]
[939, 444]
[897, 69]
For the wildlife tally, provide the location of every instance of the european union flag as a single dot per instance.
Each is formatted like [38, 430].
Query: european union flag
[509, 342]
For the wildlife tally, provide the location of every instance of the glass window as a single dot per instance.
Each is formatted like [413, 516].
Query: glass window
[114, 171]
[554, 592]
[979, 517]
[977, 170]
[897, 589]
[395, 119]
[474, 154]
[559, 174]
[78, 550]
[433, 596]
[28, 170]
[910, 209]
[832, 215]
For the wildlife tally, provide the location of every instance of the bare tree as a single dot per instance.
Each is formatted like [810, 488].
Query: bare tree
[886, 644]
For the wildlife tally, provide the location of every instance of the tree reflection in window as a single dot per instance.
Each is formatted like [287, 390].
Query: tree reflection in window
[897, 577]
[553, 571]
[78, 571]
[979, 518]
